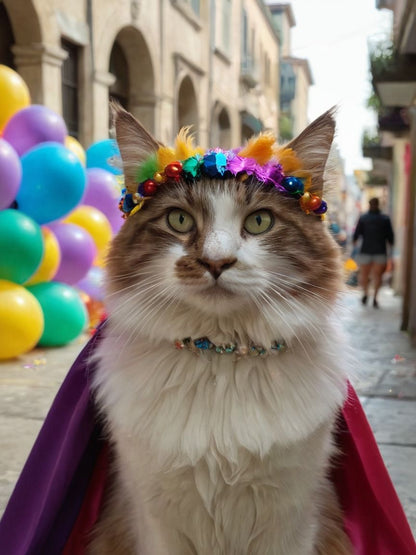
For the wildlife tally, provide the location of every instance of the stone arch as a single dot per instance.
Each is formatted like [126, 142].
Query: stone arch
[221, 127]
[187, 106]
[6, 38]
[134, 85]
[27, 49]
[24, 21]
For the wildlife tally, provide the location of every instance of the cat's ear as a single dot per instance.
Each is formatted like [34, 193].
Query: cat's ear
[312, 147]
[135, 143]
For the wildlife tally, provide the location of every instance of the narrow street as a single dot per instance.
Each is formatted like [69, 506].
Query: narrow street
[385, 380]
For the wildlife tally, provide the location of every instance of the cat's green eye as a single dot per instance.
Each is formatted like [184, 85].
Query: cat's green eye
[180, 221]
[258, 222]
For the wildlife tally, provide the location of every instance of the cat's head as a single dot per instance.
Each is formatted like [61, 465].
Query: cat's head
[215, 252]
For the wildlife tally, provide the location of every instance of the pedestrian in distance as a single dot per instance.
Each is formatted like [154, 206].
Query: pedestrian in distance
[376, 232]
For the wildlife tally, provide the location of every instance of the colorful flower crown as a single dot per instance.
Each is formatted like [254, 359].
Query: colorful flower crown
[276, 167]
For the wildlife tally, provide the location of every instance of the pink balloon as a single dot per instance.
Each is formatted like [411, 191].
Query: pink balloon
[103, 192]
[10, 174]
[33, 125]
[78, 252]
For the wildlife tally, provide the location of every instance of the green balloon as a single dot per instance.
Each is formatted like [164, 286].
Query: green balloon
[21, 246]
[63, 310]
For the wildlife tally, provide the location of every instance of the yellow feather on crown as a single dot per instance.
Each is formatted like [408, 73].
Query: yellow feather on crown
[288, 160]
[184, 144]
[260, 148]
[184, 148]
[165, 155]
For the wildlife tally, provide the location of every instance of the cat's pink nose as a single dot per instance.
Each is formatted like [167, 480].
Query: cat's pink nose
[216, 267]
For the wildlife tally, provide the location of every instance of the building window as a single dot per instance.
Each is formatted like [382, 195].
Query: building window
[226, 24]
[195, 6]
[70, 82]
[244, 37]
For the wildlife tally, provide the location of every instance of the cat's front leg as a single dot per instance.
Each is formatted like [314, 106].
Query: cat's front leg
[126, 526]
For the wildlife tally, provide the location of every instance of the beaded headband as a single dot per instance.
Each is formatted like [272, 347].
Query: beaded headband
[278, 168]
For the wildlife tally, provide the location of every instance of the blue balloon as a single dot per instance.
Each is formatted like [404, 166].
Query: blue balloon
[104, 155]
[53, 182]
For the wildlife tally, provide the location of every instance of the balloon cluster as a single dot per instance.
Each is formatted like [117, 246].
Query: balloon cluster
[58, 212]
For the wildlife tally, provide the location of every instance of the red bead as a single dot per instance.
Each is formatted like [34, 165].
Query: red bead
[149, 187]
[315, 202]
[173, 170]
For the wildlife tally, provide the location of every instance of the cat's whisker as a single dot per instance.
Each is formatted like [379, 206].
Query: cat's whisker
[288, 288]
[286, 276]
[299, 308]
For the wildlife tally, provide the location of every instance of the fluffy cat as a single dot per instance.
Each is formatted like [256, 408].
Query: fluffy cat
[221, 454]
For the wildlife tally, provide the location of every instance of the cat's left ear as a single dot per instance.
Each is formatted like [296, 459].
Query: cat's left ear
[135, 143]
[312, 147]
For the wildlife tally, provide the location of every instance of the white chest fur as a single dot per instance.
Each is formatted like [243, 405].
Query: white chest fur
[206, 440]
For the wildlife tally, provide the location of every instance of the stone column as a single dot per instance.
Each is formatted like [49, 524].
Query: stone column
[409, 301]
[102, 82]
[40, 66]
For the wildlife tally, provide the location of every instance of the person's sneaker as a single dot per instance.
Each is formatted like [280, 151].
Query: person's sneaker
[364, 299]
[375, 304]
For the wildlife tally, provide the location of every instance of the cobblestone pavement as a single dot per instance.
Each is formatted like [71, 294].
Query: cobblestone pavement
[385, 366]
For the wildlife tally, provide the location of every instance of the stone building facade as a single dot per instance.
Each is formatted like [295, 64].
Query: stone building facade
[212, 64]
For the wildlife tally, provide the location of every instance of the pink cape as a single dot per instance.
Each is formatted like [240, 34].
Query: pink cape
[59, 494]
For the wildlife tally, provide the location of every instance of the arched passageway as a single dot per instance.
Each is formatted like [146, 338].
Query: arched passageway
[134, 86]
[188, 106]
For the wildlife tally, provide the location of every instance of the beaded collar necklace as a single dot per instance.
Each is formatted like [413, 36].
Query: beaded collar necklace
[261, 159]
[203, 345]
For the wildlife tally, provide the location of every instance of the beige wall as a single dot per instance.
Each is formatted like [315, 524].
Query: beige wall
[178, 64]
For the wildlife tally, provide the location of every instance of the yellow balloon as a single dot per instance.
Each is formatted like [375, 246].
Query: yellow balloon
[95, 222]
[21, 320]
[50, 261]
[14, 94]
[76, 148]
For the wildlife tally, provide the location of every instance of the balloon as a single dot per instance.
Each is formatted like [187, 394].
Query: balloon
[94, 221]
[10, 174]
[51, 258]
[74, 146]
[14, 94]
[103, 192]
[93, 284]
[103, 154]
[77, 252]
[21, 246]
[53, 182]
[21, 320]
[63, 310]
[33, 125]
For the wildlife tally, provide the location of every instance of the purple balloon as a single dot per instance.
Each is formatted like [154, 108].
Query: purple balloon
[93, 283]
[103, 192]
[10, 174]
[33, 125]
[78, 252]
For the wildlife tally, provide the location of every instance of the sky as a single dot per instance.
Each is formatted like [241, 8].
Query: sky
[333, 35]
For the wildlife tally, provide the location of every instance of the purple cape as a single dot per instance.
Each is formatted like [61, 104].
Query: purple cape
[58, 495]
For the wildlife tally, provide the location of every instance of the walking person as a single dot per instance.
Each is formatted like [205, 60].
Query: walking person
[377, 234]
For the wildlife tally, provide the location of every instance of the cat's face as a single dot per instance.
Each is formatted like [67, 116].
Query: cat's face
[221, 249]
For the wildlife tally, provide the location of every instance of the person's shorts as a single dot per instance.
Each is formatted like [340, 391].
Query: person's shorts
[364, 258]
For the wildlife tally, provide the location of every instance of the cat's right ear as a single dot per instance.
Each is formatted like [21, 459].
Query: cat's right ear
[135, 143]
